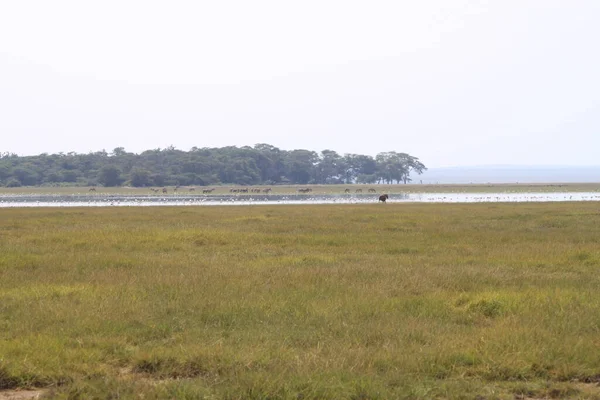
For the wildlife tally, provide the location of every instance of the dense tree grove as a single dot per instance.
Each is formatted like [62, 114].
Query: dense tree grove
[262, 164]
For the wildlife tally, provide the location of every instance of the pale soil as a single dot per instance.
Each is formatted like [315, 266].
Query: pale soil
[20, 394]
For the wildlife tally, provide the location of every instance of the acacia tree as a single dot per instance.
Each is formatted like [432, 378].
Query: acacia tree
[411, 164]
[392, 166]
[359, 168]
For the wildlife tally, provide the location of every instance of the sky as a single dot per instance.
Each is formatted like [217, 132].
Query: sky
[452, 82]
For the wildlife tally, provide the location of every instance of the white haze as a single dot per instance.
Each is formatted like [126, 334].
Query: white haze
[453, 82]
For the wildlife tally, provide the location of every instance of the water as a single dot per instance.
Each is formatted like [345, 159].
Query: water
[94, 200]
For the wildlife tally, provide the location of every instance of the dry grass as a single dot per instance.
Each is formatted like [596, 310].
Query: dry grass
[370, 301]
[323, 189]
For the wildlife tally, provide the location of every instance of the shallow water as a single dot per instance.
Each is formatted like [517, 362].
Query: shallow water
[94, 200]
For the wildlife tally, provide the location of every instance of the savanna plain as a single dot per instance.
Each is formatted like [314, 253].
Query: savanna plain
[372, 301]
[315, 189]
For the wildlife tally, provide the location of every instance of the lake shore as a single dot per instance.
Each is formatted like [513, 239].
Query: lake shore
[316, 189]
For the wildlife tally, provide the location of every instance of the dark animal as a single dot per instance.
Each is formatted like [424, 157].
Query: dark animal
[383, 197]
[164, 190]
[371, 190]
[347, 191]
[358, 190]
[92, 189]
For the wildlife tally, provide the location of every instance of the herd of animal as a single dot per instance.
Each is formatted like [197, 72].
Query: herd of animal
[249, 190]
[371, 190]
[164, 190]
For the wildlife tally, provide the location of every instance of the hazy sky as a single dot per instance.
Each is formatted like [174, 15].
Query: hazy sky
[453, 82]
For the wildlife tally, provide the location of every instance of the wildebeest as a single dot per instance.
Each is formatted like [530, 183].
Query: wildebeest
[383, 197]
[358, 190]
[164, 190]
[347, 191]
[92, 189]
[371, 190]
[307, 190]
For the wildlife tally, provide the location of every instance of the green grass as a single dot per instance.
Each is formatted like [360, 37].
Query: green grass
[324, 189]
[316, 302]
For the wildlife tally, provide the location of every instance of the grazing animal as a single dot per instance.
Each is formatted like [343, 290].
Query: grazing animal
[358, 190]
[267, 190]
[371, 190]
[164, 190]
[383, 197]
[347, 191]
[92, 189]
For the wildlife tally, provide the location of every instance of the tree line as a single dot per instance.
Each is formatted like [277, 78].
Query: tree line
[261, 164]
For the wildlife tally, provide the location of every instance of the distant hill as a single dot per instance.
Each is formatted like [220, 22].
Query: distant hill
[510, 174]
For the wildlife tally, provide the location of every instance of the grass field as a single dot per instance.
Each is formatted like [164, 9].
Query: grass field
[323, 189]
[486, 301]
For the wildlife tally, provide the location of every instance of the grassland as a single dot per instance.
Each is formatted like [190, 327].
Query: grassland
[487, 301]
[322, 189]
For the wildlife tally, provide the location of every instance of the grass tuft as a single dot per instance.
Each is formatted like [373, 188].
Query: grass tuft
[293, 302]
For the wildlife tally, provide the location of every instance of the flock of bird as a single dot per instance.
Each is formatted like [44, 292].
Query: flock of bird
[97, 200]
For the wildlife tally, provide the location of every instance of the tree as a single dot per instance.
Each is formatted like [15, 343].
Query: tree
[12, 182]
[4, 172]
[269, 160]
[140, 177]
[411, 164]
[360, 168]
[26, 175]
[119, 151]
[110, 175]
[392, 166]
[330, 168]
[260, 164]
[300, 165]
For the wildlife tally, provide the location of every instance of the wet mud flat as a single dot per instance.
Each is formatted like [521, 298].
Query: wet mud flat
[101, 200]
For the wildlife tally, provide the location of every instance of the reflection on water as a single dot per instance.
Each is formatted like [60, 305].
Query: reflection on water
[80, 200]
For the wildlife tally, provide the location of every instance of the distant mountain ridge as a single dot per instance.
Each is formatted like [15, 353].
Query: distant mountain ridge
[510, 174]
